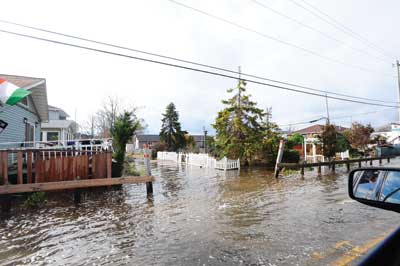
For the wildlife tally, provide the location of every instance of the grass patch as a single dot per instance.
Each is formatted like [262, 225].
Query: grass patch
[130, 169]
[287, 172]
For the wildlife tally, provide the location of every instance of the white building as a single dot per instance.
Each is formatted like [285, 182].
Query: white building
[391, 134]
[58, 129]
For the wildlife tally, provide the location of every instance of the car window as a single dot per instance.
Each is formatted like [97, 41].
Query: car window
[394, 198]
[367, 182]
[392, 182]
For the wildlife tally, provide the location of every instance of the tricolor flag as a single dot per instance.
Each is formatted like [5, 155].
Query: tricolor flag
[11, 94]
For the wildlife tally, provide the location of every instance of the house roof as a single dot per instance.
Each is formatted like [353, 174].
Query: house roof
[317, 129]
[39, 92]
[59, 124]
[148, 138]
[198, 138]
[62, 112]
[384, 128]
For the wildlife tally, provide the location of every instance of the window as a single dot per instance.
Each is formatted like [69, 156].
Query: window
[24, 101]
[52, 136]
[392, 183]
[367, 184]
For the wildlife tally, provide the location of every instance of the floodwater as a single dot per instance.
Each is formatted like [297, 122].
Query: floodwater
[197, 217]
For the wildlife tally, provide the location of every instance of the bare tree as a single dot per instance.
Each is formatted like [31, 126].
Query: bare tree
[89, 127]
[100, 123]
[106, 116]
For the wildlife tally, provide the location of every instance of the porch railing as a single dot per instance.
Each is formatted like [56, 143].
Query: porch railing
[38, 165]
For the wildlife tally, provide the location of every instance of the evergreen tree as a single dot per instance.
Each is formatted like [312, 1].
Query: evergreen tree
[171, 133]
[329, 139]
[124, 127]
[239, 130]
[270, 139]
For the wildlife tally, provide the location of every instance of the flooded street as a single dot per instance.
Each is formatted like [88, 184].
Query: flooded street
[198, 217]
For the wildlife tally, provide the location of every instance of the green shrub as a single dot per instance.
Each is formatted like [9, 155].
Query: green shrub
[130, 169]
[290, 156]
[35, 200]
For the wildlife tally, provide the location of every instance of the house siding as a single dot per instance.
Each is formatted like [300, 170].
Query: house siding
[14, 116]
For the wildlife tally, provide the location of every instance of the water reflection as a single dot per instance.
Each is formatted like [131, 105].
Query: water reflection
[198, 216]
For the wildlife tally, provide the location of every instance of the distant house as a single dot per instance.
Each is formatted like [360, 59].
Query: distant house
[200, 141]
[58, 128]
[312, 147]
[316, 130]
[151, 140]
[23, 120]
[390, 132]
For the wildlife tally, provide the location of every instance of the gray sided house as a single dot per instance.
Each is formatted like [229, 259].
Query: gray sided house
[152, 139]
[58, 129]
[24, 119]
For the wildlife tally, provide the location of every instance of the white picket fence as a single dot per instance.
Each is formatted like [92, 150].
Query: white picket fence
[199, 159]
[167, 156]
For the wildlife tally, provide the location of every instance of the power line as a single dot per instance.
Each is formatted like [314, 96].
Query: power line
[191, 62]
[335, 118]
[191, 68]
[279, 40]
[316, 30]
[346, 28]
[339, 26]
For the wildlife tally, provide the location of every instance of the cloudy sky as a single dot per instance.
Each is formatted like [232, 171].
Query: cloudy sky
[326, 58]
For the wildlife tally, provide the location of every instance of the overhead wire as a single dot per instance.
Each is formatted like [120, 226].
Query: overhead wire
[345, 27]
[263, 5]
[331, 21]
[311, 121]
[189, 62]
[190, 68]
[279, 40]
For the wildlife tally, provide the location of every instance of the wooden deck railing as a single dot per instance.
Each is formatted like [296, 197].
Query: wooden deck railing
[38, 166]
[331, 164]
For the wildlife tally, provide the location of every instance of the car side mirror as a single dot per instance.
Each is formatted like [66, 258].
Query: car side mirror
[377, 187]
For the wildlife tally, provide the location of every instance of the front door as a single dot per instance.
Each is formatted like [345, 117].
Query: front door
[29, 135]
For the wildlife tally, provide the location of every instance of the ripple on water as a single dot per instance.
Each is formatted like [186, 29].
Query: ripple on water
[198, 216]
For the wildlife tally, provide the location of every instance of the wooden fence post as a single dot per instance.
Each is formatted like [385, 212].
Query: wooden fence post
[5, 203]
[4, 166]
[149, 185]
[279, 158]
[19, 168]
[29, 167]
[109, 163]
[77, 196]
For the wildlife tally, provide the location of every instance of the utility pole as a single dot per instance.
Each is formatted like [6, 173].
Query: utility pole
[76, 126]
[398, 83]
[327, 109]
[268, 115]
[205, 139]
[239, 87]
[92, 126]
